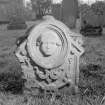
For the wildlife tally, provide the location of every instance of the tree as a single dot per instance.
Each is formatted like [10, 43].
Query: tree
[16, 17]
[98, 7]
[41, 7]
[94, 14]
[99, 10]
[84, 8]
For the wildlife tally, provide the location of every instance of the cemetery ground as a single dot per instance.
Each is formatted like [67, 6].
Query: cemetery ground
[92, 74]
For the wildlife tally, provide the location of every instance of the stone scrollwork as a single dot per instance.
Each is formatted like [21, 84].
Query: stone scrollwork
[50, 55]
[53, 74]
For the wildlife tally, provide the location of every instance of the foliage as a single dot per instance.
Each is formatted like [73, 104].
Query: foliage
[94, 14]
[16, 16]
[98, 8]
[84, 8]
[11, 82]
[41, 7]
[16, 10]
[92, 80]
[26, 99]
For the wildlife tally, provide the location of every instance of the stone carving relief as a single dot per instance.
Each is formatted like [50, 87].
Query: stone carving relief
[49, 57]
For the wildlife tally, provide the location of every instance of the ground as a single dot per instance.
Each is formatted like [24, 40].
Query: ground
[94, 54]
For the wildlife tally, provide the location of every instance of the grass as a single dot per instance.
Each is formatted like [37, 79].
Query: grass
[8, 99]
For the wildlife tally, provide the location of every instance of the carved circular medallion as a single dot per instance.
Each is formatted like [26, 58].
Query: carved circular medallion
[48, 44]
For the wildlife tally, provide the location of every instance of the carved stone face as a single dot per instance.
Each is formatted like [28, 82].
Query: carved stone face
[49, 43]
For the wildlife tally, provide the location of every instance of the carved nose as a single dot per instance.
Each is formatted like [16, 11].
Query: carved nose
[48, 47]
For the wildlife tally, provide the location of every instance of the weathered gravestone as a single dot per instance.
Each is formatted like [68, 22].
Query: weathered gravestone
[50, 54]
[70, 12]
[67, 12]
[17, 23]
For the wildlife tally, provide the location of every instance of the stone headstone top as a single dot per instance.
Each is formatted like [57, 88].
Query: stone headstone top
[50, 55]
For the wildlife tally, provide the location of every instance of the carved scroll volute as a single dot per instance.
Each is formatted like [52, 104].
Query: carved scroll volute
[52, 55]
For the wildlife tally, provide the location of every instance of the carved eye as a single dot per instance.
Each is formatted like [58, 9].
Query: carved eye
[58, 44]
[38, 43]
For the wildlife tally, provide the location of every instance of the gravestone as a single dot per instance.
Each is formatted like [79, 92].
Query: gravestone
[70, 12]
[17, 22]
[49, 56]
[67, 12]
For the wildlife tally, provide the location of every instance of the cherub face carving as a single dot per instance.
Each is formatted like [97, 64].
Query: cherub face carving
[49, 43]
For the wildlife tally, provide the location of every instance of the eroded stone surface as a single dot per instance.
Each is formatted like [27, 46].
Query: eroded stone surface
[50, 55]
